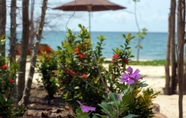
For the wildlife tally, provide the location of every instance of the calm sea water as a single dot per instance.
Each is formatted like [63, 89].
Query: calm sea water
[154, 43]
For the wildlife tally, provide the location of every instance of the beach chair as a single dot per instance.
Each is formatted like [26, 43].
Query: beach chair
[43, 48]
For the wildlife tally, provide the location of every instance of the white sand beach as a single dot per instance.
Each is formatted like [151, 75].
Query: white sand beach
[155, 78]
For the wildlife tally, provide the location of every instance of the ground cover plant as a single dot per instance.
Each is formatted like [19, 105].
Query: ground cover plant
[84, 80]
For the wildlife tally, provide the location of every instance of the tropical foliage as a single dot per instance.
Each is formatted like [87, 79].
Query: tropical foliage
[83, 78]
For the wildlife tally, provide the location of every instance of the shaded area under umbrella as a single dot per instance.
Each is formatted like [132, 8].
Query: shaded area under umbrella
[90, 6]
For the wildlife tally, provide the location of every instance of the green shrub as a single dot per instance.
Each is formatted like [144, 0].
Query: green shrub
[79, 69]
[48, 66]
[7, 84]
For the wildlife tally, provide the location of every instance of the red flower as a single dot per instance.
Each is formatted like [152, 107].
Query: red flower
[126, 60]
[116, 56]
[4, 67]
[70, 72]
[82, 56]
[76, 50]
[84, 76]
[11, 81]
[96, 101]
[113, 61]
[86, 47]
[62, 80]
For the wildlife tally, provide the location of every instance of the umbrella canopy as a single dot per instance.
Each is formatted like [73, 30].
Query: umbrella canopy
[89, 5]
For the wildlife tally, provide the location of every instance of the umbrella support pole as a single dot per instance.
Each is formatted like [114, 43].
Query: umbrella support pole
[89, 24]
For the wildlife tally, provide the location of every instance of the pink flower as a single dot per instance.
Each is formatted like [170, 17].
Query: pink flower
[85, 108]
[130, 77]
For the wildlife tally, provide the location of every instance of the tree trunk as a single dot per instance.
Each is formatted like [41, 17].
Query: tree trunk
[26, 94]
[13, 39]
[24, 47]
[2, 24]
[167, 70]
[32, 28]
[172, 32]
[181, 34]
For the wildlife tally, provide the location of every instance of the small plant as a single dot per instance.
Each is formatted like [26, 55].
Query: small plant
[48, 66]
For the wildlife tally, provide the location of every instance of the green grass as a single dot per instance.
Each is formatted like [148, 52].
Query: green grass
[145, 63]
[148, 63]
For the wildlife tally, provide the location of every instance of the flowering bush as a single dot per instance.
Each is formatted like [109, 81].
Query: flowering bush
[7, 83]
[114, 90]
[80, 68]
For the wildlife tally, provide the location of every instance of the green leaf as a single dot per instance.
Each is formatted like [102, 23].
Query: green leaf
[2, 37]
[59, 48]
[105, 108]
[68, 60]
[131, 116]
[115, 100]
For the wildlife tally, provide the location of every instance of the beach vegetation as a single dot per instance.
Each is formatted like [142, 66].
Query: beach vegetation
[91, 89]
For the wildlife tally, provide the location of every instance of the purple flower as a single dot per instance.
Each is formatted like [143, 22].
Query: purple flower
[130, 77]
[85, 108]
[118, 96]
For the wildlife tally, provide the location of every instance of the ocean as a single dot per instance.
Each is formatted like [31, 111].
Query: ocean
[154, 44]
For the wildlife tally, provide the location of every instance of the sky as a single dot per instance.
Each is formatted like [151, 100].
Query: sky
[151, 14]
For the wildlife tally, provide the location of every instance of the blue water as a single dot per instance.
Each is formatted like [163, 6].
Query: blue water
[154, 43]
